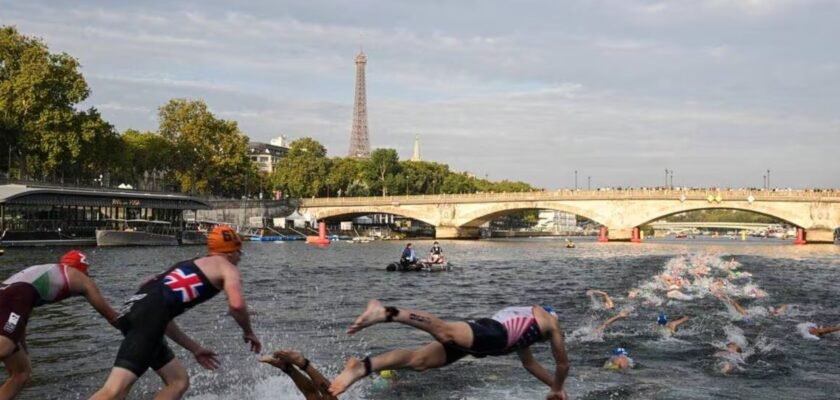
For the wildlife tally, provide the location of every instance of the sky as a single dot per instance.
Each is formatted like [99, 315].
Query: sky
[717, 91]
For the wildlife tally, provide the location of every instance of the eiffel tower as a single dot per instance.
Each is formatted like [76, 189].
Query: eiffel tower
[359, 142]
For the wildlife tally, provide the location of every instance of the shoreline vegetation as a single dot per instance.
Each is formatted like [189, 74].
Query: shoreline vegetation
[47, 138]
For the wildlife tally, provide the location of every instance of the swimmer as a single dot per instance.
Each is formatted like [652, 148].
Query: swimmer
[670, 327]
[513, 329]
[34, 287]
[620, 359]
[731, 355]
[777, 311]
[823, 330]
[621, 314]
[608, 302]
[678, 295]
[149, 315]
[313, 385]
[737, 306]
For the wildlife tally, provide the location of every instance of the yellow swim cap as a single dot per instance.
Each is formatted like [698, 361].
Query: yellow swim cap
[386, 373]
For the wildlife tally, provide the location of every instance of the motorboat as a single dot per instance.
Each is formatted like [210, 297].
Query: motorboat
[422, 265]
[136, 232]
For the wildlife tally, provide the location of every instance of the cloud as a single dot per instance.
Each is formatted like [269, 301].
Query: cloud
[618, 90]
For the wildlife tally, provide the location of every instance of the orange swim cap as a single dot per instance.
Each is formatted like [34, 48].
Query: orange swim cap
[75, 259]
[223, 239]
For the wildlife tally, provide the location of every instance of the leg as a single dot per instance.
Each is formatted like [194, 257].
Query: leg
[175, 380]
[117, 385]
[459, 333]
[19, 369]
[432, 355]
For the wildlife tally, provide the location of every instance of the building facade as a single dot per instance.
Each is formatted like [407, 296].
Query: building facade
[266, 155]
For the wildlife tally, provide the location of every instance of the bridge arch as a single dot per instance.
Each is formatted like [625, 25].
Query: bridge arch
[480, 216]
[363, 210]
[767, 211]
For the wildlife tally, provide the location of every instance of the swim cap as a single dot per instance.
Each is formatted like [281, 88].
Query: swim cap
[549, 309]
[620, 351]
[663, 319]
[223, 239]
[75, 259]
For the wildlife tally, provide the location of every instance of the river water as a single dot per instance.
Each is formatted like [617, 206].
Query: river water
[304, 297]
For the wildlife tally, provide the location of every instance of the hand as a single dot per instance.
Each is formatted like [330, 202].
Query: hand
[206, 358]
[557, 395]
[274, 361]
[251, 338]
[291, 356]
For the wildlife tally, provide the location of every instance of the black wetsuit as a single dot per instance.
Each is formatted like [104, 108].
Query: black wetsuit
[144, 316]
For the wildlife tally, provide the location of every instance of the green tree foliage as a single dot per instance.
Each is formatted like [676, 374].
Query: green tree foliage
[383, 168]
[303, 172]
[143, 153]
[209, 155]
[38, 94]
[347, 177]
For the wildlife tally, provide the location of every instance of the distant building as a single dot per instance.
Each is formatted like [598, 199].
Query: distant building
[267, 155]
[556, 221]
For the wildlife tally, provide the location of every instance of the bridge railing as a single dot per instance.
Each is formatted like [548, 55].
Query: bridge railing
[637, 194]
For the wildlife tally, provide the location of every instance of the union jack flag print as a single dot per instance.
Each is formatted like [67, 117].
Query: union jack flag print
[186, 284]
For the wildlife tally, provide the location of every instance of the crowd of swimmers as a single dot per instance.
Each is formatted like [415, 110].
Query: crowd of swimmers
[147, 318]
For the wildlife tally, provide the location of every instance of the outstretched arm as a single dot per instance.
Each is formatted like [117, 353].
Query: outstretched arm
[534, 367]
[561, 359]
[621, 314]
[204, 357]
[608, 302]
[824, 330]
[238, 308]
[740, 309]
[83, 285]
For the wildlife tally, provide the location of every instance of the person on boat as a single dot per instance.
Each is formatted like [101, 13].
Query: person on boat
[436, 254]
[33, 287]
[513, 329]
[313, 384]
[149, 315]
[408, 256]
[620, 359]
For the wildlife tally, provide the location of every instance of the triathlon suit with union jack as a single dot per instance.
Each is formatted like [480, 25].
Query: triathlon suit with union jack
[144, 316]
[509, 330]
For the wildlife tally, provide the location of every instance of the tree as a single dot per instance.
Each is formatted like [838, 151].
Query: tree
[383, 165]
[38, 93]
[209, 154]
[303, 172]
[145, 154]
[458, 183]
[346, 174]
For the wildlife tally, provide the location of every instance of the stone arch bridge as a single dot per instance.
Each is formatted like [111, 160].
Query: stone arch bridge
[460, 215]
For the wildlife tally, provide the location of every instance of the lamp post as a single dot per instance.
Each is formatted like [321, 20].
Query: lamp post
[764, 181]
[588, 182]
[672, 179]
[576, 186]
[666, 178]
[768, 179]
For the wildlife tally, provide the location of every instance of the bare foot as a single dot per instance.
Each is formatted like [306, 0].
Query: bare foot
[373, 314]
[353, 371]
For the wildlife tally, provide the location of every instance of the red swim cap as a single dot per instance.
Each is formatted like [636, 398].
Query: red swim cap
[75, 259]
